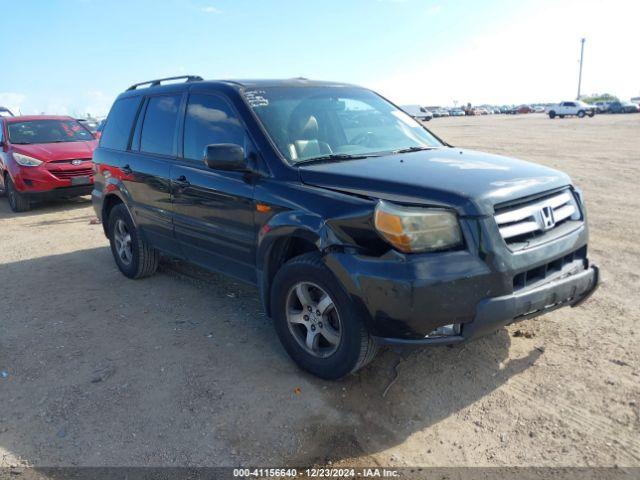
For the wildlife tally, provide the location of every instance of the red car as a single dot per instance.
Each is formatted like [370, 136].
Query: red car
[44, 157]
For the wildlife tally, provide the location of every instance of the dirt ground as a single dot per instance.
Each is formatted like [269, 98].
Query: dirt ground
[184, 368]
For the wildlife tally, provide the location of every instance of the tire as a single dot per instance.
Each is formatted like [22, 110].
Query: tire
[591, 114]
[142, 259]
[17, 202]
[581, 114]
[355, 347]
[552, 114]
[561, 116]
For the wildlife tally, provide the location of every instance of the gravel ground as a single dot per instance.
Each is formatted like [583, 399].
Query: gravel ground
[185, 369]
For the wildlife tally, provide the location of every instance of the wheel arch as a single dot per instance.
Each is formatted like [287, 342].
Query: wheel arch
[275, 251]
[112, 199]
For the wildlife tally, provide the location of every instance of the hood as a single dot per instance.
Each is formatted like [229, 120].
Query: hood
[48, 152]
[471, 182]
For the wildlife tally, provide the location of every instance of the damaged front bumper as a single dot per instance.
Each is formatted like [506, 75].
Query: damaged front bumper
[493, 313]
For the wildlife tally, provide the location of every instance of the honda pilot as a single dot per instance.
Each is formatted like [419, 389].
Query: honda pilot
[358, 225]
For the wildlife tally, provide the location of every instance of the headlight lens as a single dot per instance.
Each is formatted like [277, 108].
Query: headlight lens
[26, 161]
[412, 230]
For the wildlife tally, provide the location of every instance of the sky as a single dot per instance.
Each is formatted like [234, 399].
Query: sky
[74, 57]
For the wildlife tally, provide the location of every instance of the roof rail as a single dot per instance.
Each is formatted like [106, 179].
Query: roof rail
[158, 82]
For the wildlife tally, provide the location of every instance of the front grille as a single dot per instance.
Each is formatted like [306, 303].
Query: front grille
[70, 173]
[565, 265]
[539, 219]
[70, 160]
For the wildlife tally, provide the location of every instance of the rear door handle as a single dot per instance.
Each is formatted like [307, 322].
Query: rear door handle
[182, 182]
[126, 169]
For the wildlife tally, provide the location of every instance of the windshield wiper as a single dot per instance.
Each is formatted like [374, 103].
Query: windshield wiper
[413, 149]
[336, 157]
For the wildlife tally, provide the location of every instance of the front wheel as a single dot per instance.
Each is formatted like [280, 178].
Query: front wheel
[133, 255]
[581, 114]
[552, 114]
[316, 322]
[591, 114]
[17, 201]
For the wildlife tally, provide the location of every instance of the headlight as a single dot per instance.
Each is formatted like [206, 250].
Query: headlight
[26, 161]
[414, 229]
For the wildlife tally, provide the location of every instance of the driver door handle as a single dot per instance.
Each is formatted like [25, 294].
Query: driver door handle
[182, 182]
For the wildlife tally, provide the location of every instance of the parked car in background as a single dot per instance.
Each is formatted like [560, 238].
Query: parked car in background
[538, 109]
[443, 112]
[457, 112]
[90, 124]
[358, 230]
[576, 107]
[44, 157]
[623, 107]
[418, 112]
[5, 112]
[435, 110]
[601, 107]
[480, 111]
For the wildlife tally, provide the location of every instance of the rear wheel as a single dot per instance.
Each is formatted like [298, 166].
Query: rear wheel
[133, 255]
[561, 116]
[591, 114]
[17, 201]
[316, 322]
[581, 114]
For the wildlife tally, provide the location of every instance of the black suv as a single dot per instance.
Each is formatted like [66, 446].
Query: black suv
[358, 226]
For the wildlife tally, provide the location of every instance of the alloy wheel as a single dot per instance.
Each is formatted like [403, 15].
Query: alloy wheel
[122, 240]
[313, 319]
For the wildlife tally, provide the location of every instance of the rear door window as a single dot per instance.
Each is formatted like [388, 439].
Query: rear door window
[159, 126]
[117, 129]
[210, 119]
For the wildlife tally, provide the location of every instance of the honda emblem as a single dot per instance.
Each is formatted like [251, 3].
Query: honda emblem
[546, 218]
[76, 162]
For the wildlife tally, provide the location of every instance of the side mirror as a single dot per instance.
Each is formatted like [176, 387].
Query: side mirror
[225, 156]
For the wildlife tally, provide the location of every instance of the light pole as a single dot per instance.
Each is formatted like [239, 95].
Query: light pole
[580, 74]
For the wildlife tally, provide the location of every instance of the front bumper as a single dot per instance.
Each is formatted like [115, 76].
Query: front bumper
[404, 299]
[61, 192]
[44, 181]
[493, 313]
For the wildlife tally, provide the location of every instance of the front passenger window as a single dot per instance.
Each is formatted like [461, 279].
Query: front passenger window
[209, 120]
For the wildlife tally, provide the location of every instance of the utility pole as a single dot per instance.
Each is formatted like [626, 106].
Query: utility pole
[580, 74]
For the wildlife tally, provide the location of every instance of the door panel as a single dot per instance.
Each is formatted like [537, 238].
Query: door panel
[146, 169]
[213, 219]
[213, 209]
[146, 180]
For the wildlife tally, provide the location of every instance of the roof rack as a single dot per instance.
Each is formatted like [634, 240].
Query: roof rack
[158, 82]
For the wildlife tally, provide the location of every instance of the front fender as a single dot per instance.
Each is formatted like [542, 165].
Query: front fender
[291, 224]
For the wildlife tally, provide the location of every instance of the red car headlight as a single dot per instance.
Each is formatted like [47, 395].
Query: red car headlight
[26, 160]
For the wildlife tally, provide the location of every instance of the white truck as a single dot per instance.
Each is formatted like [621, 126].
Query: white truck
[418, 112]
[576, 107]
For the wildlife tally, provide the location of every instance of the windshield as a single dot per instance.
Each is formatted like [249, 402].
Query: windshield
[47, 131]
[312, 122]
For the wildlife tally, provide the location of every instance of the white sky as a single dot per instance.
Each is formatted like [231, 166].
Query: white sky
[533, 58]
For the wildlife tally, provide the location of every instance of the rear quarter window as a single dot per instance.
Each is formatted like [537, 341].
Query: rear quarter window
[117, 129]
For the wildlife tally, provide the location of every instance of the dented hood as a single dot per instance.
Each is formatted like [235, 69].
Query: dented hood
[469, 181]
